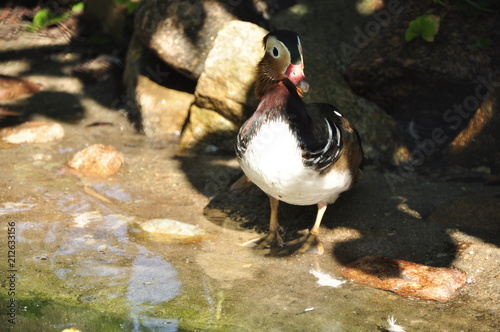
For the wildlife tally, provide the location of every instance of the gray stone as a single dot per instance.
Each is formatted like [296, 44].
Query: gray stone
[157, 110]
[182, 32]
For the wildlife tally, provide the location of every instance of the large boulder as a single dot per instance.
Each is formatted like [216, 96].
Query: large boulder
[181, 32]
[224, 93]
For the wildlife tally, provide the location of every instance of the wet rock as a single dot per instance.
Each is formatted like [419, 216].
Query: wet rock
[181, 32]
[156, 108]
[14, 87]
[406, 278]
[97, 160]
[414, 81]
[380, 135]
[172, 230]
[224, 93]
[33, 132]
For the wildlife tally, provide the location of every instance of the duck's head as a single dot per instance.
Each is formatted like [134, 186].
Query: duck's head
[282, 61]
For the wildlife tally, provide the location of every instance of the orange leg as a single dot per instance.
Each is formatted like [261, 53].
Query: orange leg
[310, 242]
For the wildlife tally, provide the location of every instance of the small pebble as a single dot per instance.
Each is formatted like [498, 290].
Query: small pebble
[97, 160]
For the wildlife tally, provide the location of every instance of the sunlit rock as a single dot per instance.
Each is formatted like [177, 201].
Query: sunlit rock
[97, 160]
[406, 278]
[224, 93]
[33, 132]
[172, 230]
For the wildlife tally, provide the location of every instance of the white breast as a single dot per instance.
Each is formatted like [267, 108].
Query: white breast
[273, 161]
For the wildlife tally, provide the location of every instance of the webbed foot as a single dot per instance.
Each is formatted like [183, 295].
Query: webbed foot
[309, 243]
[271, 240]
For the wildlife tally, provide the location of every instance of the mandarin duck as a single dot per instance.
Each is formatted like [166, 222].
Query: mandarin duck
[298, 153]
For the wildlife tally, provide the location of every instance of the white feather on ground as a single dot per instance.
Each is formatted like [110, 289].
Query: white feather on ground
[324, 279]
[393, 327]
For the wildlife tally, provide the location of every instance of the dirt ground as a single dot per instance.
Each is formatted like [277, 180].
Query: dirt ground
[82, 261]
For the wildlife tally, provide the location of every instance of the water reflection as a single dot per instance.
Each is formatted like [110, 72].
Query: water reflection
[152, 281]
[89, 258]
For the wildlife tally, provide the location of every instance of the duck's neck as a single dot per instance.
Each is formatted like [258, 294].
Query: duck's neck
[281, 100]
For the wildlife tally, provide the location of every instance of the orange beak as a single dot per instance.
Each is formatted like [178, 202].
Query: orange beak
[295, 74]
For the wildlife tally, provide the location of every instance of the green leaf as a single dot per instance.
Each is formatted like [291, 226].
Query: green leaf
[56, 19]
[78, 7]
[425, 26]
[40, 20]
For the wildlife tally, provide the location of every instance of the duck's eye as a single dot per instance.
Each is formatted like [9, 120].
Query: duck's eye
[275, 52]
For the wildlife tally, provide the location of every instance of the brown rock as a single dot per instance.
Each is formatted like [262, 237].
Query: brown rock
[226, 84]
[97, 160]
[205, 128]
[164, 110]
[181, 32]
[405, 278]
[33, 132]
[14, 87]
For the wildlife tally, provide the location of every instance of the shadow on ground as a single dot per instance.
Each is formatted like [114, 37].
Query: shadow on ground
[410, 221]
